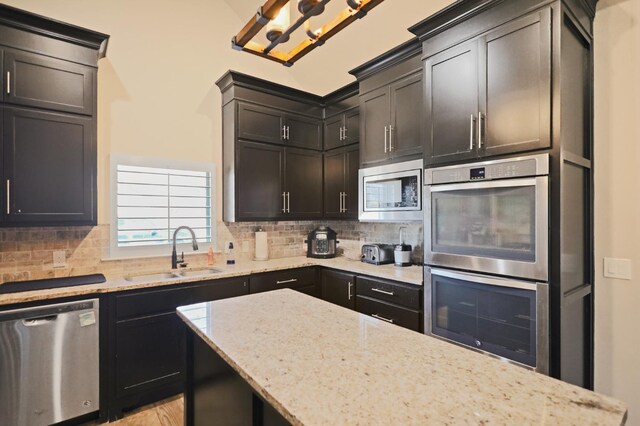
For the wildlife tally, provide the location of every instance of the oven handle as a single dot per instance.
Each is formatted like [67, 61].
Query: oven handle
[483, 279]
[505, 183]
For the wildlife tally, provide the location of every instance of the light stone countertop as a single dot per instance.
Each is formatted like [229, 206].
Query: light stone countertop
[410, 275]
[318, 364]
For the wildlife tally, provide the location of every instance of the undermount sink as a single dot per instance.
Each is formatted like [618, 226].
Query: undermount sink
[199, 272]
[151, 277]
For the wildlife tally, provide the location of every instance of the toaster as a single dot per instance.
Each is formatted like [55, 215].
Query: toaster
[377, 254]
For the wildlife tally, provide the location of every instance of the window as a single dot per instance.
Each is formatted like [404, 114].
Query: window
[151, 198]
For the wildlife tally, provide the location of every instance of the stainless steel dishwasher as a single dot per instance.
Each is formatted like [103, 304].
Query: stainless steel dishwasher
[49, 358]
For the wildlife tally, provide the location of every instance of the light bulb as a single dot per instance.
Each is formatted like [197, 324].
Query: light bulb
[305, 6]
[278, 25]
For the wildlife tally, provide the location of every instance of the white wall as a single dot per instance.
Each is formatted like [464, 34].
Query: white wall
[617, 198]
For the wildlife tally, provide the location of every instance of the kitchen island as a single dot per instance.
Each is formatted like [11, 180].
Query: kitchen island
[283, 357]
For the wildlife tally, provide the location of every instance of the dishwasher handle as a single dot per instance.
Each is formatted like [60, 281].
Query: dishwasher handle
[46, 311]
[34, 322]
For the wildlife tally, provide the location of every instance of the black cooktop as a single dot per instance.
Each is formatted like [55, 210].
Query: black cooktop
[18, 286]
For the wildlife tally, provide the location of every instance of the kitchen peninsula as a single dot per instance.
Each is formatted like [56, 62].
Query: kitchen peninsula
[283, 357]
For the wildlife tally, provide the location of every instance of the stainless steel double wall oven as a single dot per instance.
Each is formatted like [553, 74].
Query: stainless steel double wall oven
[486, 257]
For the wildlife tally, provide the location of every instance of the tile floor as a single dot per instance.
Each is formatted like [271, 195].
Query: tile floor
[165, 413]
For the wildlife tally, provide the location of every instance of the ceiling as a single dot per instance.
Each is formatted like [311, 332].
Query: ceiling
[326, 68]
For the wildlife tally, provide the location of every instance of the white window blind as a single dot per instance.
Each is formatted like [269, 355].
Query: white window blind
[151, 202]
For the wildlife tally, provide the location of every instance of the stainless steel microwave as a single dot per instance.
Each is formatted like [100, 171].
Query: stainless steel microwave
[391, 193]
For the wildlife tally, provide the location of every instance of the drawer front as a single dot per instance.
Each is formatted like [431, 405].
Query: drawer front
[406, 318]
[291, 278]
[389, 291]
[163, 300]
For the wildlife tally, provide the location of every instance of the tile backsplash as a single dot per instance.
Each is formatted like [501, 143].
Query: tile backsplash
[27, 253]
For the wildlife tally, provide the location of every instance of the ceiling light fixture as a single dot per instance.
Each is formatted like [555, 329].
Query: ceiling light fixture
[275, 15]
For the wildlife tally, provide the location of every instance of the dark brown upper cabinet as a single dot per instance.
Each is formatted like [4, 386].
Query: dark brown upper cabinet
[492, 95]
[391, 123]
[265, 124]
[277, 183]
[339, 288]
[49, 156]
[342, 129]
[49, 167]
[42, 82]
[341, 183]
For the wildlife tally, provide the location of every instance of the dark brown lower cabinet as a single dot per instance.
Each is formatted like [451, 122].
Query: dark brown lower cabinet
[304, 280]
[390, 301]
[147, 340]
[339, 288]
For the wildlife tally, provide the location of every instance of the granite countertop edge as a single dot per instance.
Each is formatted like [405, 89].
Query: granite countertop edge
[408, 275]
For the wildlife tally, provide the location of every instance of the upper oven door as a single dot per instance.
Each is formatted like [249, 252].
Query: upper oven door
[497, 227]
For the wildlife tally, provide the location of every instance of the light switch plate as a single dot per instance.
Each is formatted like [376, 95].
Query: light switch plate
[59, 259]
[617, 268]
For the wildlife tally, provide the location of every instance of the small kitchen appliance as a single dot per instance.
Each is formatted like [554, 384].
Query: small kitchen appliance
[322, 242]
[377, 254]
[402, 252]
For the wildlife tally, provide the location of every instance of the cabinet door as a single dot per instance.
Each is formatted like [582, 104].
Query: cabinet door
[375, 111]
[304, 132]
[259, 123]
[303, 183]
[407, 118]
[149, 353]
[352, 163]
[44, 82]
[352, 125]
[339, 288]
[334, 183]
[333, 131]
[259, 186]
[451, 104]
[515, 88]
[49, 167]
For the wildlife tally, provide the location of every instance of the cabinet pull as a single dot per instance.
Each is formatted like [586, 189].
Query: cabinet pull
[385, 139]
[288, 202]
[292, 280]
[8, 82]
[341, 202]
[472, 127]
[288, 133]
[8, 196]
[350, 287]
[344, 202]
[391, 129]
[480, 129]
[389, 320]
[341, 133]
[284, 202]
[388, 293]
[284, 132]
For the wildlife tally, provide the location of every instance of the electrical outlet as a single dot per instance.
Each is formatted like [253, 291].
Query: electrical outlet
[59, 259]
[617, 268]
[226, 247]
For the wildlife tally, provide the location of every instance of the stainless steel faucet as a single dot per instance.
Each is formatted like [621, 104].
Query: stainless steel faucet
[174, 255]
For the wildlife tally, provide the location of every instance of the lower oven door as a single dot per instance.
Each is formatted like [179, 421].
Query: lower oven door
[503, 317]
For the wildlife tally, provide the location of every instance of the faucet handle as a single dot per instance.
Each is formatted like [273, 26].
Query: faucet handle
[181, 261]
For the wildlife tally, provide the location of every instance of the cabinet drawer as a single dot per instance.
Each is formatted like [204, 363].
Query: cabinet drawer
[390, 313]
[163, 300]
[292, 278]
[388, 291]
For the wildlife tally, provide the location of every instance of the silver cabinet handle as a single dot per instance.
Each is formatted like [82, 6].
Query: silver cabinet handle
[341, 202]
[388, 293]
[341, 133]
[284, 202]
[480, 129]
[389, 320]
[472, 128]
[288, 202]
[284, 132]
[292, 280]
[8, 196]
[288, 133]
[349, 289]
[344, 202]
[8, 82]
[385, 139]
[391, 129]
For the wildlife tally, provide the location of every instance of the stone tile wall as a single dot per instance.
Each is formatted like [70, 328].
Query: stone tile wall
[27, 253]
